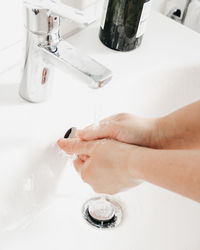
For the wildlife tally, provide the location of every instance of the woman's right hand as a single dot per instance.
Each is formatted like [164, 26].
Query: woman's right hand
[107, 165]
[125, 128]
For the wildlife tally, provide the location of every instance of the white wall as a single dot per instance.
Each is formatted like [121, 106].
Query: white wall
[11, 26]
[11, 22]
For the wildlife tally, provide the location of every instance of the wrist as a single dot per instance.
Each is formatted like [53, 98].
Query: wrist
[166, 134]
[156, 133]
[135, 161]
[148, 135]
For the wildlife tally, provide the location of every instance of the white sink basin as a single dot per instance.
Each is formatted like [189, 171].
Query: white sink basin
[41, 194]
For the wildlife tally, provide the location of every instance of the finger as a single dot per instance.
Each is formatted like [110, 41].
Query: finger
[78, 164]
[76, 146]
[101, 131]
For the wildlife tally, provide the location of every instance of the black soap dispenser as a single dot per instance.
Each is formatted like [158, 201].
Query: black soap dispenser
[123, 23]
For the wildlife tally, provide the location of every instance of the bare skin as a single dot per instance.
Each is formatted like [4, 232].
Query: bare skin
[125, 149]
[178, 130]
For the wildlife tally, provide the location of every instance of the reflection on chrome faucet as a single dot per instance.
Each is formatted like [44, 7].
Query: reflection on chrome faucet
[45, 49]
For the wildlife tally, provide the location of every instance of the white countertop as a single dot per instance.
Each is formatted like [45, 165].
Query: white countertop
[153, 80]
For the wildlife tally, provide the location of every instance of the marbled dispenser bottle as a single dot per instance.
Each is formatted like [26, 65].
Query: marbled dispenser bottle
[123, 23]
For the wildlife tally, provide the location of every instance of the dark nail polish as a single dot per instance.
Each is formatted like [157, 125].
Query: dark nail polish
[67, 135]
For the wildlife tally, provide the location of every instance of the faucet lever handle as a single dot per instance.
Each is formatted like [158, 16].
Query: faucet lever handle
[60, 9]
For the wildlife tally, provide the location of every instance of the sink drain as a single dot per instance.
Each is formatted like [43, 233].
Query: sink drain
[102, 212]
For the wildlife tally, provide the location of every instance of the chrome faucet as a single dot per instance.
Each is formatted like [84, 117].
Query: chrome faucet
[45, 49]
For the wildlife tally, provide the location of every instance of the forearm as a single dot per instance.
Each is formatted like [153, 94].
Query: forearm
[176, 170]
[180, 129]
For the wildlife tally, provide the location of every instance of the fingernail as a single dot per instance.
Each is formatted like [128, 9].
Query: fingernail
[68, 133]
[71, 133]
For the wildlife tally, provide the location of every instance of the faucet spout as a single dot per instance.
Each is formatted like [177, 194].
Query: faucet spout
[66, 55]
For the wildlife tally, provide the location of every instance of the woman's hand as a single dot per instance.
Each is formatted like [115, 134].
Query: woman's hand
[125, 128]
[115, 164]
[110, 166]
[104, 164]
[178, 130]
